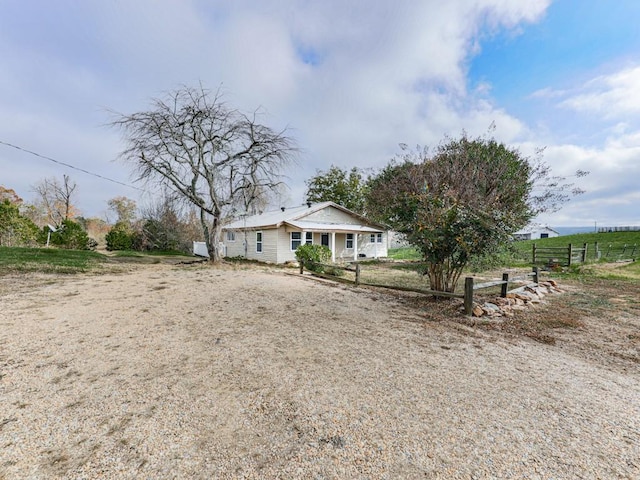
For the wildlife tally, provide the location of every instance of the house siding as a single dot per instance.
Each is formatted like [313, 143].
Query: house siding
[235, 248]
[269, 247]
[372, 249]
[330, 215]
[284, 247]
[341, 246]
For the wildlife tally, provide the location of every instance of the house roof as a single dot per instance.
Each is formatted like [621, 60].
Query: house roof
[534, 228]
[294, 216]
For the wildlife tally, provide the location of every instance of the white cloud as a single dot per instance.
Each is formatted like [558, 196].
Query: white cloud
[612, 189]
[353, 79]
[611, 96]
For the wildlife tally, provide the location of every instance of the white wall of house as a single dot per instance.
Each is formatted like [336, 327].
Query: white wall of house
[535, 233]
[285, 254]
[373, 245]
[234, 244]
[236, 247]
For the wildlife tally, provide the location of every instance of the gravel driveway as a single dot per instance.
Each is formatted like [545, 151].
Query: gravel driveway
[195, 372]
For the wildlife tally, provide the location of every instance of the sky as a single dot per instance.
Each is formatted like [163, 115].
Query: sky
[351, 80]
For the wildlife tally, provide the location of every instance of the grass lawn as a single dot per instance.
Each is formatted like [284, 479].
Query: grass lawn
[48, 260]
[62, 261]
[611, 245]
[404, 253]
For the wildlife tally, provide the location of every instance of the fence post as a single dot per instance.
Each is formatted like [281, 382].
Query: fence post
[584, 253]
[301, 267]
[534, 254]
[357, 274]
[468, 295]
[505, 286]
[570, 255]
[633, 253]
[536, 275]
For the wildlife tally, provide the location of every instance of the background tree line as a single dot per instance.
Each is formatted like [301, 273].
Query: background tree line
[164, 225]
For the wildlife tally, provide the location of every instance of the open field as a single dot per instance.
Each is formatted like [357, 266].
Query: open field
[611, 246]
[188, 371]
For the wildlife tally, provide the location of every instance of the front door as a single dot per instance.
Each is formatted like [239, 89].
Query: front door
[324, 239]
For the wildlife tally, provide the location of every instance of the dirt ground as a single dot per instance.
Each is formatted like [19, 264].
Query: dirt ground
[189, 371]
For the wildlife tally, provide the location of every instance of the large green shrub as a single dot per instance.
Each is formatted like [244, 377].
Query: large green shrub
[313, 256]
[69, 235]
[120, 237]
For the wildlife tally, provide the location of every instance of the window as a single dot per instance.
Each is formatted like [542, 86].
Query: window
[296, 240]
[376, 238]
[259, 242]
[349, 240]
[308, 238]
[324, 239]
[231, 236]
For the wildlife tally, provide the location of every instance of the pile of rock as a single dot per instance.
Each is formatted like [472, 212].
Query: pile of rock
[517, 300]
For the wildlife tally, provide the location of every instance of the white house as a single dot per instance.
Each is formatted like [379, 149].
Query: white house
[274, 236]
[535, 232]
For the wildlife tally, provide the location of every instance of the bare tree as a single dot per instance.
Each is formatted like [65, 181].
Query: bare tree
[216, 157]
[55, 199]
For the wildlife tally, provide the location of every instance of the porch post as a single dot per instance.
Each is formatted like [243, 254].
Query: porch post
[355, 247]
[333, 247]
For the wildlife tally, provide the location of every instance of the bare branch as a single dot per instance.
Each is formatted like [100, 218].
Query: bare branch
[214, 156]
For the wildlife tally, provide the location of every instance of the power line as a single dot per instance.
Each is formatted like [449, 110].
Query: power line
[69, 166]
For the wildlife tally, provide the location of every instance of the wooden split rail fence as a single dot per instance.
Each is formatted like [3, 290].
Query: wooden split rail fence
[469, 284]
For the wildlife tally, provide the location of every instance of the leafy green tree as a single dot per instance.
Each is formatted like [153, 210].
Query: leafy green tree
[346, 188]
[465, 200]
[15, 229]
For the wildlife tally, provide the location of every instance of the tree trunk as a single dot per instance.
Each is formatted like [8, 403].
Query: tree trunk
[216, 251]
[211, 237]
